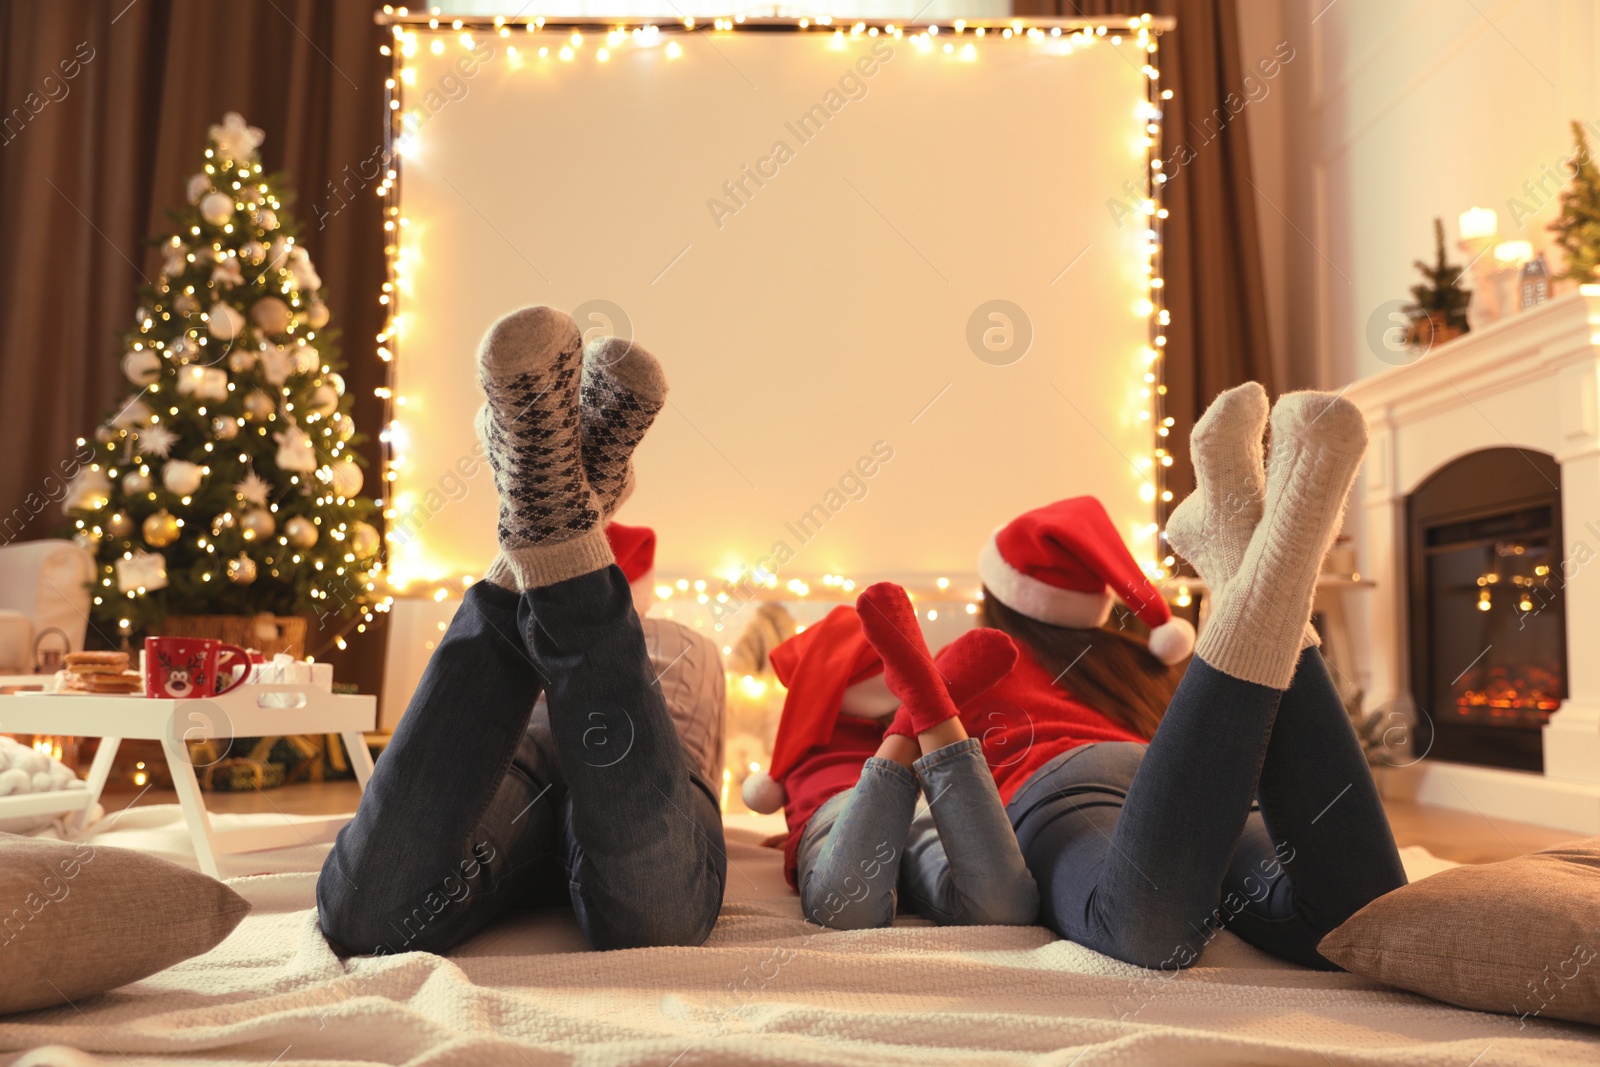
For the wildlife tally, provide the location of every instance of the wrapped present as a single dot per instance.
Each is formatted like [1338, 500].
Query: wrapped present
[240, 774]
[305, 758]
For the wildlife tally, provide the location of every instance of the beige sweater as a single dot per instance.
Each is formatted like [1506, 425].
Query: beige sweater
[689, 666]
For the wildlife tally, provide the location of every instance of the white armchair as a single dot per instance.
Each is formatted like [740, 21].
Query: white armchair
[44, 585]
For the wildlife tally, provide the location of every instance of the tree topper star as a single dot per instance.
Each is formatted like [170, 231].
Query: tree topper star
[236, 140]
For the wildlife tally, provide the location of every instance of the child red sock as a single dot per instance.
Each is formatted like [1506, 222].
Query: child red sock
[929, 694]
[970, 665]
[901, 724]
[974, 662]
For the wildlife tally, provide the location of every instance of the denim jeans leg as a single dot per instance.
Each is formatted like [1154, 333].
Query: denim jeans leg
[647, 859]
[1064, 817]
[420, 866]
[1325, 849]
[1184, 813]
[1149, 890]
[849, 860]
[969, 871]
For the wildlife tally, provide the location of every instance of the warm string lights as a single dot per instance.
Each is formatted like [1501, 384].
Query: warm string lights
[551, 41]
[723, 597]
[1153, 391]
[718, 598]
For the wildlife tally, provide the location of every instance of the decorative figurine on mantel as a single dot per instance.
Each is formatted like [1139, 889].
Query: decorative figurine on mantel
[1535, 282]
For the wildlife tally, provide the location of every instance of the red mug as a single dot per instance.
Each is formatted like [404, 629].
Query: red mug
[176, 668]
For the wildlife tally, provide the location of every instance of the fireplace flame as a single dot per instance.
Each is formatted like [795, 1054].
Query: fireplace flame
[1511, 695]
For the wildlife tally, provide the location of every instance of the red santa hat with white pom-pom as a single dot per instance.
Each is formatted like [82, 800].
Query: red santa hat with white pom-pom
[1062, 563]
[635, 549]
[828, 668]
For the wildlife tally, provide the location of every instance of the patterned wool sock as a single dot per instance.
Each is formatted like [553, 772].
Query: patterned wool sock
[624, 389]
[1258, 617]
[550, 529]
[970, 665]
[1213, 524]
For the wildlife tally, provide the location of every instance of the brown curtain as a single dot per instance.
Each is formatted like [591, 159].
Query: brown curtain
[106, 105]
[1214, 286]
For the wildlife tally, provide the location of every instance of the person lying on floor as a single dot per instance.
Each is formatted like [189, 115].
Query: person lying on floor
[1151, 815]
[471, 814]
[860, 842]
[1248, 805]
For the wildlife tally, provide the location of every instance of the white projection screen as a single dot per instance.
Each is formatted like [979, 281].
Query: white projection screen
[810, 231]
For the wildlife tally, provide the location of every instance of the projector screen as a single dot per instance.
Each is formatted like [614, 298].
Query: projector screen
[899, 286]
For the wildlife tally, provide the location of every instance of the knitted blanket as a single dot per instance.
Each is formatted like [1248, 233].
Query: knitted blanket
[765, 989]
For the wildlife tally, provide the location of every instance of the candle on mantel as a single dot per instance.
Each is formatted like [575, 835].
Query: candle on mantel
[1478, 223]
[1513, 253]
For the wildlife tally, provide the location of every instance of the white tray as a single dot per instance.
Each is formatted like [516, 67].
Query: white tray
[238, 713]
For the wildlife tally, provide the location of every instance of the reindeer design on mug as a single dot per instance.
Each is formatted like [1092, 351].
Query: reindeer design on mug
[176, 668]
[183, 676]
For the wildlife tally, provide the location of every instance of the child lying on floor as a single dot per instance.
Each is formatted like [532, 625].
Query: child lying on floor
[858, 845]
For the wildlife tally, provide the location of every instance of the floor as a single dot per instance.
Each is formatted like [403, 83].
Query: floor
[1467, 837]
[1453, 835]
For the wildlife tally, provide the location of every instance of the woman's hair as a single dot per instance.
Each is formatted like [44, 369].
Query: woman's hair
[1120, 678]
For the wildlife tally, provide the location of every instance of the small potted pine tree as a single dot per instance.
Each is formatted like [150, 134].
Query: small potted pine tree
[1577, 227]
[1439, 305]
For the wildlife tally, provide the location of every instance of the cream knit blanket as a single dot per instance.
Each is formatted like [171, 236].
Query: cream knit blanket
[765, 989]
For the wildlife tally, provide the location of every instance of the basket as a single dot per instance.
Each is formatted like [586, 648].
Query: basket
[268, 634]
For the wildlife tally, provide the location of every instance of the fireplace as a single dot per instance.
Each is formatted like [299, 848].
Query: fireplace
[1479, 527]
[1487, 614]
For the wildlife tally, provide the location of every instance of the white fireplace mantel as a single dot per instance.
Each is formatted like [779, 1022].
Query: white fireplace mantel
[1531, 381]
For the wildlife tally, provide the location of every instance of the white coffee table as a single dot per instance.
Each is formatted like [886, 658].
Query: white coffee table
[293, 709]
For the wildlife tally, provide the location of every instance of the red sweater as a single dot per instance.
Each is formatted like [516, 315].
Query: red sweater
[825, 772]
[1026, 720]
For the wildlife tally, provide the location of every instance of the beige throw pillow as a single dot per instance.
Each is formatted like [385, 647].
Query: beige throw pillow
[79, 919]
[1521, 936]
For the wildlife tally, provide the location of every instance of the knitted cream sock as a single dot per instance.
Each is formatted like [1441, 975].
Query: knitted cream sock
[550, 529]
[624, 389]
[1259, 615]
[1213, 524]
[970, 665]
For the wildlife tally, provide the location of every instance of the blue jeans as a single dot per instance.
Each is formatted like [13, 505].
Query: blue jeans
[957, 864]
[470, 814]
[1143, 852]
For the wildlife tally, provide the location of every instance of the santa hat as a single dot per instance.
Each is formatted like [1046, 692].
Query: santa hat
[635, 549]
[1061, 563]
[823, 667]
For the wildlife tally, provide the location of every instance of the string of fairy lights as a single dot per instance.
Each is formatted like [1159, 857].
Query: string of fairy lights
[555, 41]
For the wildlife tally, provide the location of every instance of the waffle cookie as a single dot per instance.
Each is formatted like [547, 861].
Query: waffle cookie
[124, 683]
[100, 672]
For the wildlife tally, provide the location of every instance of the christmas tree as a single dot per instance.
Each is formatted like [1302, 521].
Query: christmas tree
[1577, 228]
[1441, 297]
[225, 483]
